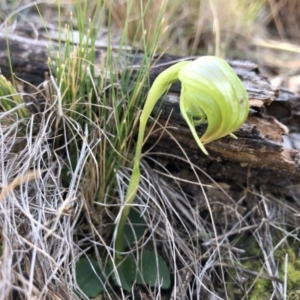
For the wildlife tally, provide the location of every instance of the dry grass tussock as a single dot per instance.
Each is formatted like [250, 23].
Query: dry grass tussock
[47, 225]
[38, 215]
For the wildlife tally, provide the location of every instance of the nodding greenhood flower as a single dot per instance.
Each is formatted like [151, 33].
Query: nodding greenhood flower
[211, 92]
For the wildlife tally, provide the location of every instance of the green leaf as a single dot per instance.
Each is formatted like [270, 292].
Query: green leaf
[66, 173]
[134, 228]
[149, 273]
[89, 277]
[146, 273]
[126, 270]
[10, 98]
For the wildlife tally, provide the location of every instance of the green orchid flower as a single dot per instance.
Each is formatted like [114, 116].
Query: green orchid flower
[211, 92]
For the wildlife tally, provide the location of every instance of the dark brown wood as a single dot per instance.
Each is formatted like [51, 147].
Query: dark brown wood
[256, 157]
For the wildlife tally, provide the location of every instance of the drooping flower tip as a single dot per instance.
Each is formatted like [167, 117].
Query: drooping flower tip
[212, 92]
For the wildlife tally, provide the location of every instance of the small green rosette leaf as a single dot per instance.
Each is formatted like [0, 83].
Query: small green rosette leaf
[212, 92]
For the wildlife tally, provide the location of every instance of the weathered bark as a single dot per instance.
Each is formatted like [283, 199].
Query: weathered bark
[256, 157]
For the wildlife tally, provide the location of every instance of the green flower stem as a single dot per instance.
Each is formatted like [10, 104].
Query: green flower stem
[211, 93]
[160, 86]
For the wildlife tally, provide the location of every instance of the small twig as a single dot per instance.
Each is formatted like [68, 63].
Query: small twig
[18, 181]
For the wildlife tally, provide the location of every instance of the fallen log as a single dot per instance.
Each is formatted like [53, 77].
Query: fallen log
[257, 157]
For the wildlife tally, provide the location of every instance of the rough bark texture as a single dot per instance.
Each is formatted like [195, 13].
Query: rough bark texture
[256, 157]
